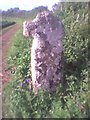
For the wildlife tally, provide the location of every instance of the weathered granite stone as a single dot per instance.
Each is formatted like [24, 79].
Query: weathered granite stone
[46, 51]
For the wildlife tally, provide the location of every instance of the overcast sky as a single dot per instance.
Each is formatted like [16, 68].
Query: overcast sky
[26, 4]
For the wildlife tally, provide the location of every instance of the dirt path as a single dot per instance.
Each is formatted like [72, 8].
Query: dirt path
[4, 46]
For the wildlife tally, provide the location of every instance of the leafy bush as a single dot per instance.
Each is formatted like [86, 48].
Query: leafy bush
[71, 99]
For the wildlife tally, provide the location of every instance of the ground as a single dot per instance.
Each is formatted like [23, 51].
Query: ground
[5, 41]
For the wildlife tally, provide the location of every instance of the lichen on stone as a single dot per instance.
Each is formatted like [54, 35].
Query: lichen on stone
[47, 48]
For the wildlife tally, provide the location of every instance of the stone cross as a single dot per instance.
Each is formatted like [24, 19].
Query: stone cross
[47, 50]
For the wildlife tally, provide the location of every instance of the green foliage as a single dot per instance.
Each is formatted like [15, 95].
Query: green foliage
[71, 99]
[75, 20]
[19, 55]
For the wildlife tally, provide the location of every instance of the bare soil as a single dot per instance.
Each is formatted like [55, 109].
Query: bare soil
[5, 41]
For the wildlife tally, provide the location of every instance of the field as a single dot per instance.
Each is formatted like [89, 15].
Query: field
[7, 23]
[70, 100]
[4, 24]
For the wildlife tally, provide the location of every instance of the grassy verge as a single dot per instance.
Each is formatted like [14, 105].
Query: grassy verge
[21, 43]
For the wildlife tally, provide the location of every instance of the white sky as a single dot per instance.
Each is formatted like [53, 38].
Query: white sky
[26, 4]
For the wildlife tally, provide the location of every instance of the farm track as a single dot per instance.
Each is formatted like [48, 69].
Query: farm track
[5, 41]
